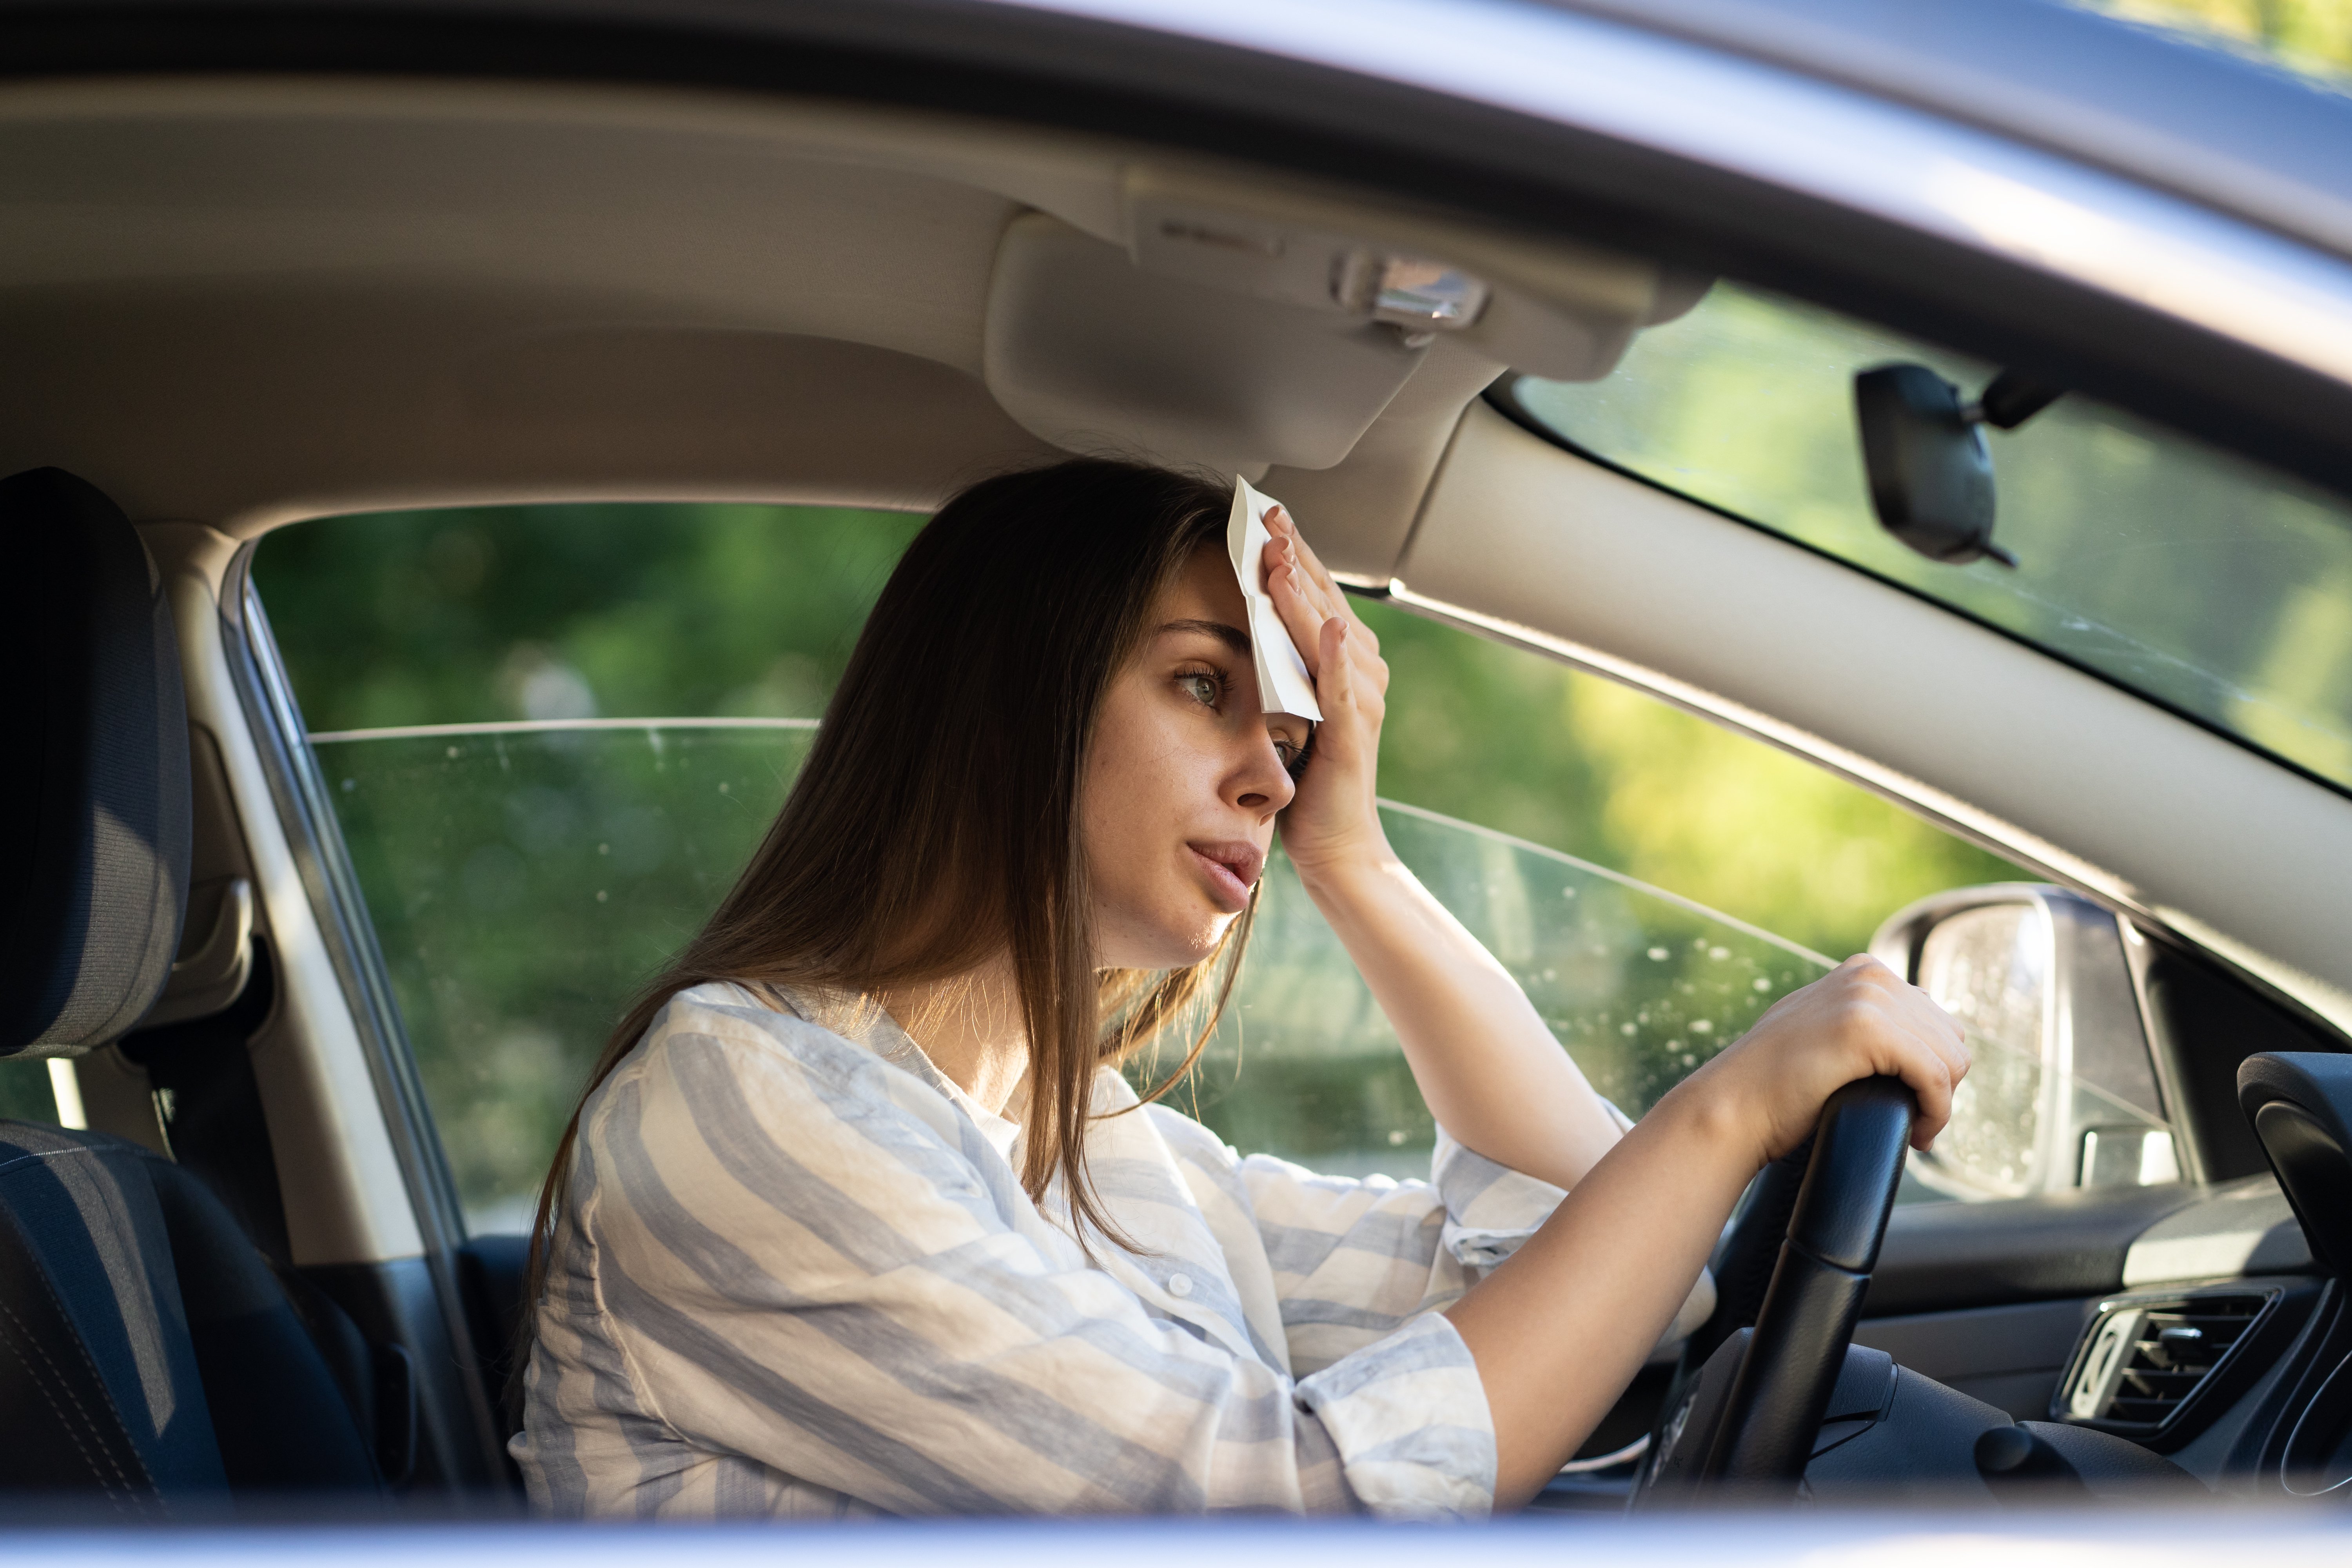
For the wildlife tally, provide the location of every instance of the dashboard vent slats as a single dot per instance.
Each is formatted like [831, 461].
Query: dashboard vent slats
[2143, 1360]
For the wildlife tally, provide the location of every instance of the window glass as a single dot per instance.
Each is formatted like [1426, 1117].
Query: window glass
[2212, 585]
[25, 1094]
[523, 878]
[553, 735]
[1640, 987]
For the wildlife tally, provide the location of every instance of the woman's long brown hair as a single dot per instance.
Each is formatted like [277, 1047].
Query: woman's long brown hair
[934, 825]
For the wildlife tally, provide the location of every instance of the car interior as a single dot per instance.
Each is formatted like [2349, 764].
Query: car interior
[236, 1278]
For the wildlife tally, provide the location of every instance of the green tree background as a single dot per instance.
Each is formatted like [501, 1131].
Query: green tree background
[661, 611]
[2313, 37]
[523, 884]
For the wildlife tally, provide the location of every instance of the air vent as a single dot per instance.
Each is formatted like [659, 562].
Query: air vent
[2144, 1359]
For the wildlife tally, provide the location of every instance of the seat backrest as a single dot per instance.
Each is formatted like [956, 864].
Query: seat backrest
[150, 1356]
[97, 1370]
[94, 802]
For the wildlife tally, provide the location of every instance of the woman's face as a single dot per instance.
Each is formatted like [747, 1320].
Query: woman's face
[1177, 809]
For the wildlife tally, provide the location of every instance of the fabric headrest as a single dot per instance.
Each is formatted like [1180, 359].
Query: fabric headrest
[94, 801]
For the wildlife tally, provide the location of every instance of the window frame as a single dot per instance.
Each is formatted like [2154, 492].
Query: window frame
[298, 791]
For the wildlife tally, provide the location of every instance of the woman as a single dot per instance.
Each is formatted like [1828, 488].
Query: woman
[858, 1216]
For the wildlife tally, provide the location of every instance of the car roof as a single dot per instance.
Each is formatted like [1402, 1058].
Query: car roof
[2228, 128]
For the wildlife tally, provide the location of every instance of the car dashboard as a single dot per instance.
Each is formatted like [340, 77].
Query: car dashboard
[2229, 1351]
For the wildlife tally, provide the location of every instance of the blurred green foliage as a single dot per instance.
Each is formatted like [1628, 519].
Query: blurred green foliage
[2216, 586]
[25, 1091]
[1513, 742]
[561, 612]
[651, 611]
[524, 885]
[2310, 35]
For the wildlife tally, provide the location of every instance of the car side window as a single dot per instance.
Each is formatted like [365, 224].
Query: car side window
[1639, 986]
[554, 734]
[25, 1094]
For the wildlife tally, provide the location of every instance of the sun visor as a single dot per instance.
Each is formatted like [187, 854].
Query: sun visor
[1556, 309]
[1094, 354]
[1242, 327]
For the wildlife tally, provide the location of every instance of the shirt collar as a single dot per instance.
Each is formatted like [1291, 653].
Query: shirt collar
[864, 1020]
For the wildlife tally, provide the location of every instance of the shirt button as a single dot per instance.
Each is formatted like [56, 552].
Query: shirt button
[1180, 1284]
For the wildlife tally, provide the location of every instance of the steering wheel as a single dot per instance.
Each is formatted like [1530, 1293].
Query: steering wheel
[1764, 1435]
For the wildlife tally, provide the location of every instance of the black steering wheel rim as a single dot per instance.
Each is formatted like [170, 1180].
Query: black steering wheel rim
[1790, 1367]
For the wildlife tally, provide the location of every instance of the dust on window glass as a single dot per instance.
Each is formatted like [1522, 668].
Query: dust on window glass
[553, 735]
[523, 880]
[2209, 584]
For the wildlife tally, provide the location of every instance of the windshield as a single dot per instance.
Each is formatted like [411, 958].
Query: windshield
[2214, 586]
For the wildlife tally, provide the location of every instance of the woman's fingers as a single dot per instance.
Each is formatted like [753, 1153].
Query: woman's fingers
[1337, 692]
[1301, 617]
[1927, 1051]
[1931, 1081]
[1280, 524]
[1289, 547]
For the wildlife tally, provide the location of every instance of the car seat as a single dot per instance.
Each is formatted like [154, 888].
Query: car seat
[153, 1363]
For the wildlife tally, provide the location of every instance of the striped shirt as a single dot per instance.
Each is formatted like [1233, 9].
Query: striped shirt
[797, 1276]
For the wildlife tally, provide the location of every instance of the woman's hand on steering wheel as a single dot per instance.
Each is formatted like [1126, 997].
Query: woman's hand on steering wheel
[1333, 820]
[1859, 1020]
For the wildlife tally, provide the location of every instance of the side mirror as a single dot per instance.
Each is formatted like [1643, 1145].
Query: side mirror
[1923, 445]
[2062, 1092]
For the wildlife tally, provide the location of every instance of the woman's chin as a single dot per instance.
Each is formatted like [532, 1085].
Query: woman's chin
[1171, 946]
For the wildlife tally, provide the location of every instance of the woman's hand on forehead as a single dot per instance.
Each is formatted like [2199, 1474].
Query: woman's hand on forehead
[1334, 819]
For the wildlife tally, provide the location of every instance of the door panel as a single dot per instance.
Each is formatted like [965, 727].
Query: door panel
[1942, 1257]
[2008, 1356]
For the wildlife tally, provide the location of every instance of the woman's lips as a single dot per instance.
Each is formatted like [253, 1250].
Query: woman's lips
[1232, 868]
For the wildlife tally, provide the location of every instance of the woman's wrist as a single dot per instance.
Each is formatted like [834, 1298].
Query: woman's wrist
[1717, 1116]
[1343, 873]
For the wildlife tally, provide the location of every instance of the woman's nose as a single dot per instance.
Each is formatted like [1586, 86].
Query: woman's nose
[1263, 785]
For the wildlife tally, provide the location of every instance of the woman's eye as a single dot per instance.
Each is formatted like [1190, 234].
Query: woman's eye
[1202, 688]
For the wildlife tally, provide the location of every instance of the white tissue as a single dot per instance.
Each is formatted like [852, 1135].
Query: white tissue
[1284, 686]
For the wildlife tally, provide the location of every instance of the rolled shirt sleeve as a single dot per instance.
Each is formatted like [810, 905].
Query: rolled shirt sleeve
[1490, 1210]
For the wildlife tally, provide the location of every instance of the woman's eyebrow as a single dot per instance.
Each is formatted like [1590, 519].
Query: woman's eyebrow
[1233, 637]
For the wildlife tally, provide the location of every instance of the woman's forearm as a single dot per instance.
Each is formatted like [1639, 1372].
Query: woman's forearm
[1560, 1328]
[1492, 1073]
